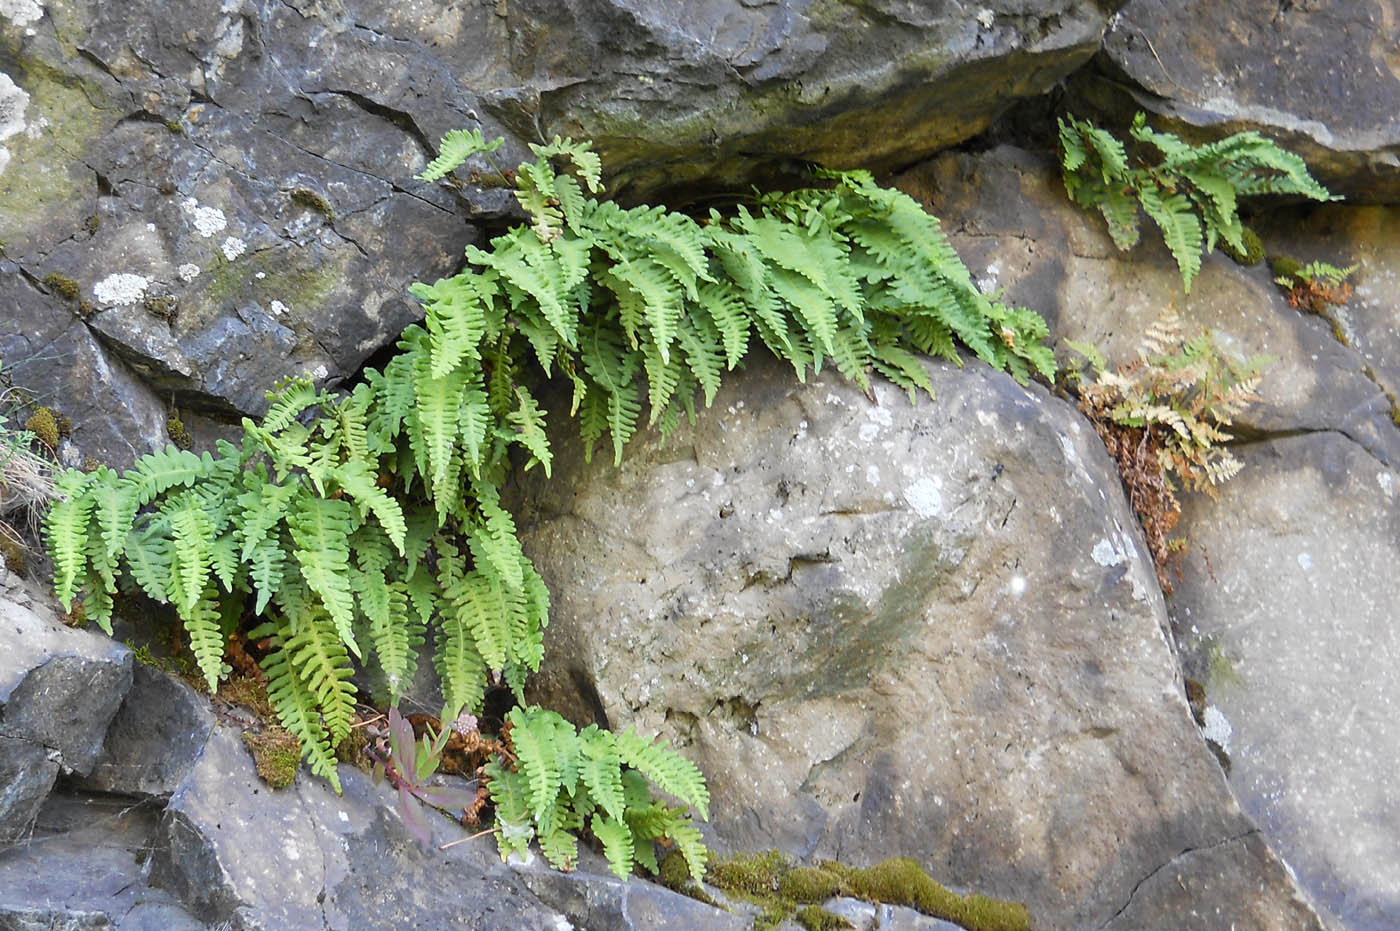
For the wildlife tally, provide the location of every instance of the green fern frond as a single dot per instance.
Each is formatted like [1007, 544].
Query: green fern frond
[456, 147]
[668, 769]
[320, 530]
[459, 666]
[616, 839]
[295, 702]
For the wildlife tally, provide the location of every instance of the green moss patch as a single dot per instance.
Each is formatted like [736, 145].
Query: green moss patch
[785, 891]
[276, 753]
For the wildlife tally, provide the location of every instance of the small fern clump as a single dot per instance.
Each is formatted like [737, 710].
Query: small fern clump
[1191, 192]
[359, 525]
[563, 780]
[1161, 415]
[1313, 287]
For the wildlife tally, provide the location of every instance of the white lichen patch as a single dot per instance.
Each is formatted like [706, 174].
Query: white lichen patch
[21, 12]
[207, 221]
[1017, 587]
[1105, 553]
[1387, 483]
[120, 289]
[1217, 728]
[13, 102]
[1305, 561]
[233, 247]
[188, 272]
[926, 496]
[290, 850]
[279, 308]
[986, 18]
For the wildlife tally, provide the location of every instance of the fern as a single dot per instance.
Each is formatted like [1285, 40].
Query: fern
[369, 523]
[1191, 192]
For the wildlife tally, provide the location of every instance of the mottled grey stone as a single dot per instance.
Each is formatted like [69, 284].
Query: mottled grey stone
[1320, 78]
[27, 773]
[1291, 626]
[229, 849]
[155, 737]
[1009, 218]
[83, 868]
[880, 629]
[595, 899]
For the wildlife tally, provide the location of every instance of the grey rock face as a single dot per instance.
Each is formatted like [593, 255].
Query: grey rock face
[1010, 220]
[1291, 627]
[59, 689]
[1318, 77]
[233, 198]
[882, 629]
[155, 737]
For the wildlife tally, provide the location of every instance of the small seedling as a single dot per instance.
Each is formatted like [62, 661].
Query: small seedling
[408, 764]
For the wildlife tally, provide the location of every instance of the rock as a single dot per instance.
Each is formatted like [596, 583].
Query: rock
[155, 737]
[1368, 238]
[1009, 218]
[712, 91]
[595, 899]
[83, 868]
[229, 849]
[59, 689]
[1319, 78]
[888, 630]
[231, 200]
[1290, 626]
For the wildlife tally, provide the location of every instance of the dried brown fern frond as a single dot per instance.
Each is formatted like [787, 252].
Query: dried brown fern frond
[1161, 417]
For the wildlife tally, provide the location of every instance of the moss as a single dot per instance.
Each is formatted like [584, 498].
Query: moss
[901, 881]
[748, 873]
[161, 305]
[92, 223]
[86, 309]
[166, 188]
[179, 665]
[1284, 267]
[814, 918]
[14, 554]
[308, 198]
[175, 127]
[809, 884]
[252, 694]
[61, 285]
[674, 874]
[175, 427]
[354, 749]
[43, 424]
[277, 755]
[1253, 252]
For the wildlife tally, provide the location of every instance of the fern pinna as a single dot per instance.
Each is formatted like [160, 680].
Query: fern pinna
[1191, 192]
[356, 526]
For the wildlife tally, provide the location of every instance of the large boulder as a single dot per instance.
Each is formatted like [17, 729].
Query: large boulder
[1317, 488]
[1321, 78]
[199, 205]
[1290, 624]
[59, 689]
[890, 629]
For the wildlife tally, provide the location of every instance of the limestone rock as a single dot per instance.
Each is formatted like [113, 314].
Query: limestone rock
[59, 689]
[197, 209]
[1291, 627]
[889, 630]
[1319, 78]
[1009, 218]
[155, 737]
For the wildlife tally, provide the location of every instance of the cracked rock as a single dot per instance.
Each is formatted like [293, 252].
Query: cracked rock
[878, 629]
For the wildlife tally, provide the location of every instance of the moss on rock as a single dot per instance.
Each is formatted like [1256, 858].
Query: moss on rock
[44, 425]
[276, 753]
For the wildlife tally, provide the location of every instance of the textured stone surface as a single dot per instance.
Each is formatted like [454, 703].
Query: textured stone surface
[229, 849]
[59, 689]
[883, 630]
[593, 898]
[83, 868]
[233, 195]
[155, 737]
[1321, 78]
[1291, 626]
[1008, 216]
